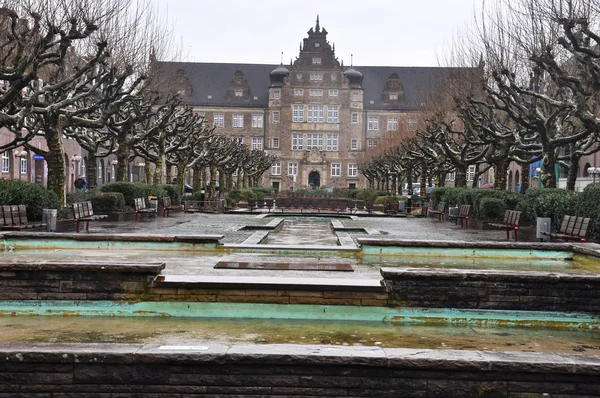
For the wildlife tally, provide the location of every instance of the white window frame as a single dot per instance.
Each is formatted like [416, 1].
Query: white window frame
[299, 92]
[219, 120]
[373, 123]
[237, 120]
[354, 144]
[298, 113]
[316, 60]
[238, 92]
[352, 170]
[316, 76]
[257, 120]
[371, 142]
[355, 96]
[411, 124]
[276, 94]
[292, 168]
[239, 140]
[333, 114]
[297, 142]
[315, 92]
[451, 176]
[5, 162]
[470, 172]
[314, 141]
[315, 114]
[257, 143]
[336, 169]
[23, 165]
[332, 142]
[392, 124]
[333, 92]
[276, 117]
[275, 142]
[393, 96]
[354, 117]
[276, 169]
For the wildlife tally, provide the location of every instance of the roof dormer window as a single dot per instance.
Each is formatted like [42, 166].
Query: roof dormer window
[239, 92]
[317, 44]
[394, 96]
[316, 60]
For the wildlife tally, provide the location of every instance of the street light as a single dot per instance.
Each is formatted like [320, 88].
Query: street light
[141, 165]
[22, 154]
[75, 159]
[593, 171]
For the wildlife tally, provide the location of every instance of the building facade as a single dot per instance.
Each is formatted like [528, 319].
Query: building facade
[319, 117]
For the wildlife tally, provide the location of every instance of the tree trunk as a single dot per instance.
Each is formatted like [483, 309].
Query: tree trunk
[92, 170]
[501, 169]
[423, 182]
[573, 169]
[122, 159]
[213, 182]
[524, 178]
[56, 166]
[149, 173]
[197, 180]
[548, 178]
[180, 179]
[460, 179]
[221, 182]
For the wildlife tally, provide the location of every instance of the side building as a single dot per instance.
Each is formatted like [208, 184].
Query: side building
[319, 117]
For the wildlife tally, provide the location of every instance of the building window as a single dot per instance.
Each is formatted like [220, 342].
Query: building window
[238, 120]
[276, 169]
[257, 121]
[315, 93]
[276, 94]
[275, 143]
[235, 173]
[257, 143]
[354, 145]
[316, 60]
[275, 116]
[392, 124]
[412, 124]
[332, 142]
[316, 76]
[471, 172]
[5, 162]
[333, 112]
[292, 169]
[393, 96]
[238, 140]
[299, 76]
[219, 120]
[239, 93]
[355, 96]
[336, 169]
[333, 92]
[373, 124]
[355, 117]
[314, 141]
[298, 114]
[23, 165]
[371, 143]
[298, 92]
[450, 176]
[315, 114]
[352, 170]
[297, 144]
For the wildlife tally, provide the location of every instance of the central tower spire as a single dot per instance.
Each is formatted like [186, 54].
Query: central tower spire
[317, 28]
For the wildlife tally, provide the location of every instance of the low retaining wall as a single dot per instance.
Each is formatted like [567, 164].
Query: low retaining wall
[108, 370]
[488, 289]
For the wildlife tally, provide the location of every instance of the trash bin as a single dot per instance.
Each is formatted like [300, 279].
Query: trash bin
[453, 211]
[49, 218]
[401, 206]
[543, 228]
[153, 203]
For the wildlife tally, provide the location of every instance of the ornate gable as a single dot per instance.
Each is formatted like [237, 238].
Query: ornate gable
[393, 91]
[239, 90]
[316, 52]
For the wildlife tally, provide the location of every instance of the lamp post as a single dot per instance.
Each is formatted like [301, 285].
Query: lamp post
[114, 164]
[22, 154]
[593, 171]
[75, 159]
[141, 165]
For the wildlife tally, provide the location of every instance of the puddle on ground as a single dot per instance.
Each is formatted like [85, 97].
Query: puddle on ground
[193, 331]
[304, 231]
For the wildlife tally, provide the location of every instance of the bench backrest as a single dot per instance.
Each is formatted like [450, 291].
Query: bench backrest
[575, 226]
[6, 216]
[464, 210]
[82, 210]
[139, 204]
[166, 201]
[23, 214]
[441, 207]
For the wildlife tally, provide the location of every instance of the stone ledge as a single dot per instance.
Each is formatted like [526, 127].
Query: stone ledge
[78, 266]
[299, 355]
[113, 237]
[466, 245]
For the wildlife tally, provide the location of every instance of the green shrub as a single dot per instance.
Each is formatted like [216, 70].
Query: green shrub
[129, 190]
[368, 195]
[549, 202]
[588, 205]
[172, 192]
[109, 202]
[437, 195]
[35, 197]
[492, 209]
[380, 199]
[261, 192]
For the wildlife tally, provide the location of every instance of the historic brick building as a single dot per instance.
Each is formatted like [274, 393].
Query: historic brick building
[316, 115]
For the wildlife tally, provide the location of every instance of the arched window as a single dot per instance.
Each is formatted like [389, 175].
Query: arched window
[585, 170]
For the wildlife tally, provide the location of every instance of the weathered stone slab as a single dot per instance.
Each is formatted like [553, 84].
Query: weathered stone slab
[285, 266]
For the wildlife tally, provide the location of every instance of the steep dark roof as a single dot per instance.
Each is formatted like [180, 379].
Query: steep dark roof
[214, 79]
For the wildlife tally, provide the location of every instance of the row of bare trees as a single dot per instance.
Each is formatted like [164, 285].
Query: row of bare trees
[86, 70]
[533, 96]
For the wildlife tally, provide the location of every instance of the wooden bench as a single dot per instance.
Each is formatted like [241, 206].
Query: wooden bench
[82, 211]
[14, 217]
[440, 211]
[168, 206]
[463, 214]
[573, 228]
[141, 208]
[510, 222]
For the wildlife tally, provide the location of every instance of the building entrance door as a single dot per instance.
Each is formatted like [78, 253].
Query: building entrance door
[314, 179]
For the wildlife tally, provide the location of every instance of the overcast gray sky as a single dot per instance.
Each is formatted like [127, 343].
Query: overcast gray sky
[377, 32]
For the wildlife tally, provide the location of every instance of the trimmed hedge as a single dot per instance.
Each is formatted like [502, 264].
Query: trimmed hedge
[549, 202]
[492, 209]
[589, 206]
[134, 190]
[473, 197]
[34, 196]
[102, 202]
